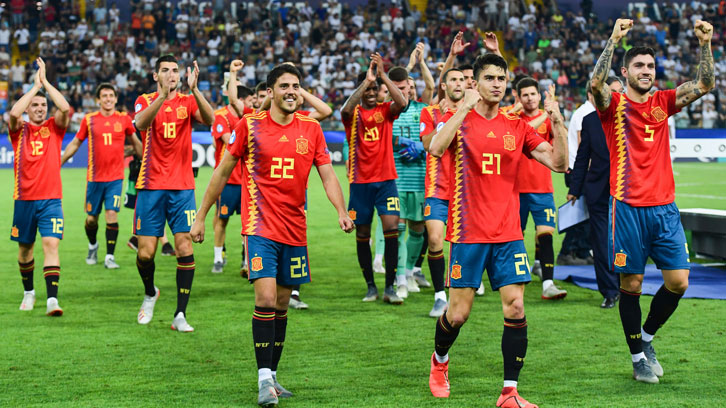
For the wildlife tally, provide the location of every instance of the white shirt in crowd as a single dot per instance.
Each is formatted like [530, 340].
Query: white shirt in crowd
[573, 129]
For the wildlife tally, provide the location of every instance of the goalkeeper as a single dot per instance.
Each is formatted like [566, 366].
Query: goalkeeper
[410, 159]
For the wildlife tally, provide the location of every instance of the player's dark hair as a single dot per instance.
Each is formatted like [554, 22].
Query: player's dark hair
[262, 86]
[526, 83]
[165, 58]
[41, 93]
[279, 71]
[612, 80]
[243, 91]
[464, 67]
[483, 61]
[516, 80]
[105, 85]
[398, 74]
[446, 74]
[634, 52]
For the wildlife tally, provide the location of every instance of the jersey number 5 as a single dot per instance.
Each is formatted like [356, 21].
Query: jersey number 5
[650, 132]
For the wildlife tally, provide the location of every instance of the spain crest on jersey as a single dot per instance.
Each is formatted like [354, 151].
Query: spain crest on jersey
[44, 132]
[509, 142]
[378, 117]
[658, 114]
[117, 127]
[621, 259]
[301, 146]
[256, 264]
[542, 129]
[181, 112]
[455, 271]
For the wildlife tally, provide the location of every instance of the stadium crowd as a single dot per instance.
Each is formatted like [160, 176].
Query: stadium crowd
[331, 43]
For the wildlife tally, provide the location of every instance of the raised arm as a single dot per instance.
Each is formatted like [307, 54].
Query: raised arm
[143, 118]
[491, 43]
[214, 189]
[705, 79]
[205, 113]
[441, 140]
[16, 112]
[322, 110]
[335, 195]
[63, 110]
[553, 156]
[457, 47]
[600, 90]
[400, 101]
[237, 105]
[354, 99]
[428, 93]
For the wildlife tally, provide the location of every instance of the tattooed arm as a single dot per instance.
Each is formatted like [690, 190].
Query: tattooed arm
[600, 90]
[705, 80]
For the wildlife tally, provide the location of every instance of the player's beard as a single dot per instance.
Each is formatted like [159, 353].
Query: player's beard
[635, 84]
[453, 97]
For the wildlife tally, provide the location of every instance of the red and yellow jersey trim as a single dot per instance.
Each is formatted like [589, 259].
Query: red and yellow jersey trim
[91, 164]
[353, 144]
[620, 149]
[455, 207]
[18, 156]
[253, 211]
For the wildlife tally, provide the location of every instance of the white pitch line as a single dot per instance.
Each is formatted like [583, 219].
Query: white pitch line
[713, 197]
[719, 183]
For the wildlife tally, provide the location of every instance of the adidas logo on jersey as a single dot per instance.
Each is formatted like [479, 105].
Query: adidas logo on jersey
[168, 109]
[283, 139]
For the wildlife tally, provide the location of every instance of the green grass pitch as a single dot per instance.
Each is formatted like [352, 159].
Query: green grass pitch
[340, 352]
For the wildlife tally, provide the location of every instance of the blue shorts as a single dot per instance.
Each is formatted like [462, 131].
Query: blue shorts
[364, 197]
[106, 192]
[506, 263]
[155, 207]
[436, 209]
[229, 201]
[45, 216]
[634, 233]
[270, 259]
[542, 207]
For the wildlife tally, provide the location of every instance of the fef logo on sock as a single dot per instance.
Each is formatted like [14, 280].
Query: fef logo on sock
[456, 272]
[256, 264]
[620, 259]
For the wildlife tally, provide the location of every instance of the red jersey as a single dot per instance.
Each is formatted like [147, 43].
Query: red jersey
[486, 154]
[437, 168]
[166, 163]
[370, 144]
[277, 162]
[106, 144]
[224, 122]
[637, 137]
[37, 161]
[535, 177]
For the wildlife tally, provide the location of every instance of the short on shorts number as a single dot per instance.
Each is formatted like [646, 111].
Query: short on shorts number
[191, 216]
[550, 213]
[297, 267]
[392, 204]
[57, 225]
[521, 261]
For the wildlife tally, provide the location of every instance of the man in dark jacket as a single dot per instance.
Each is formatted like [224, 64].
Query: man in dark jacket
[590, 176]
